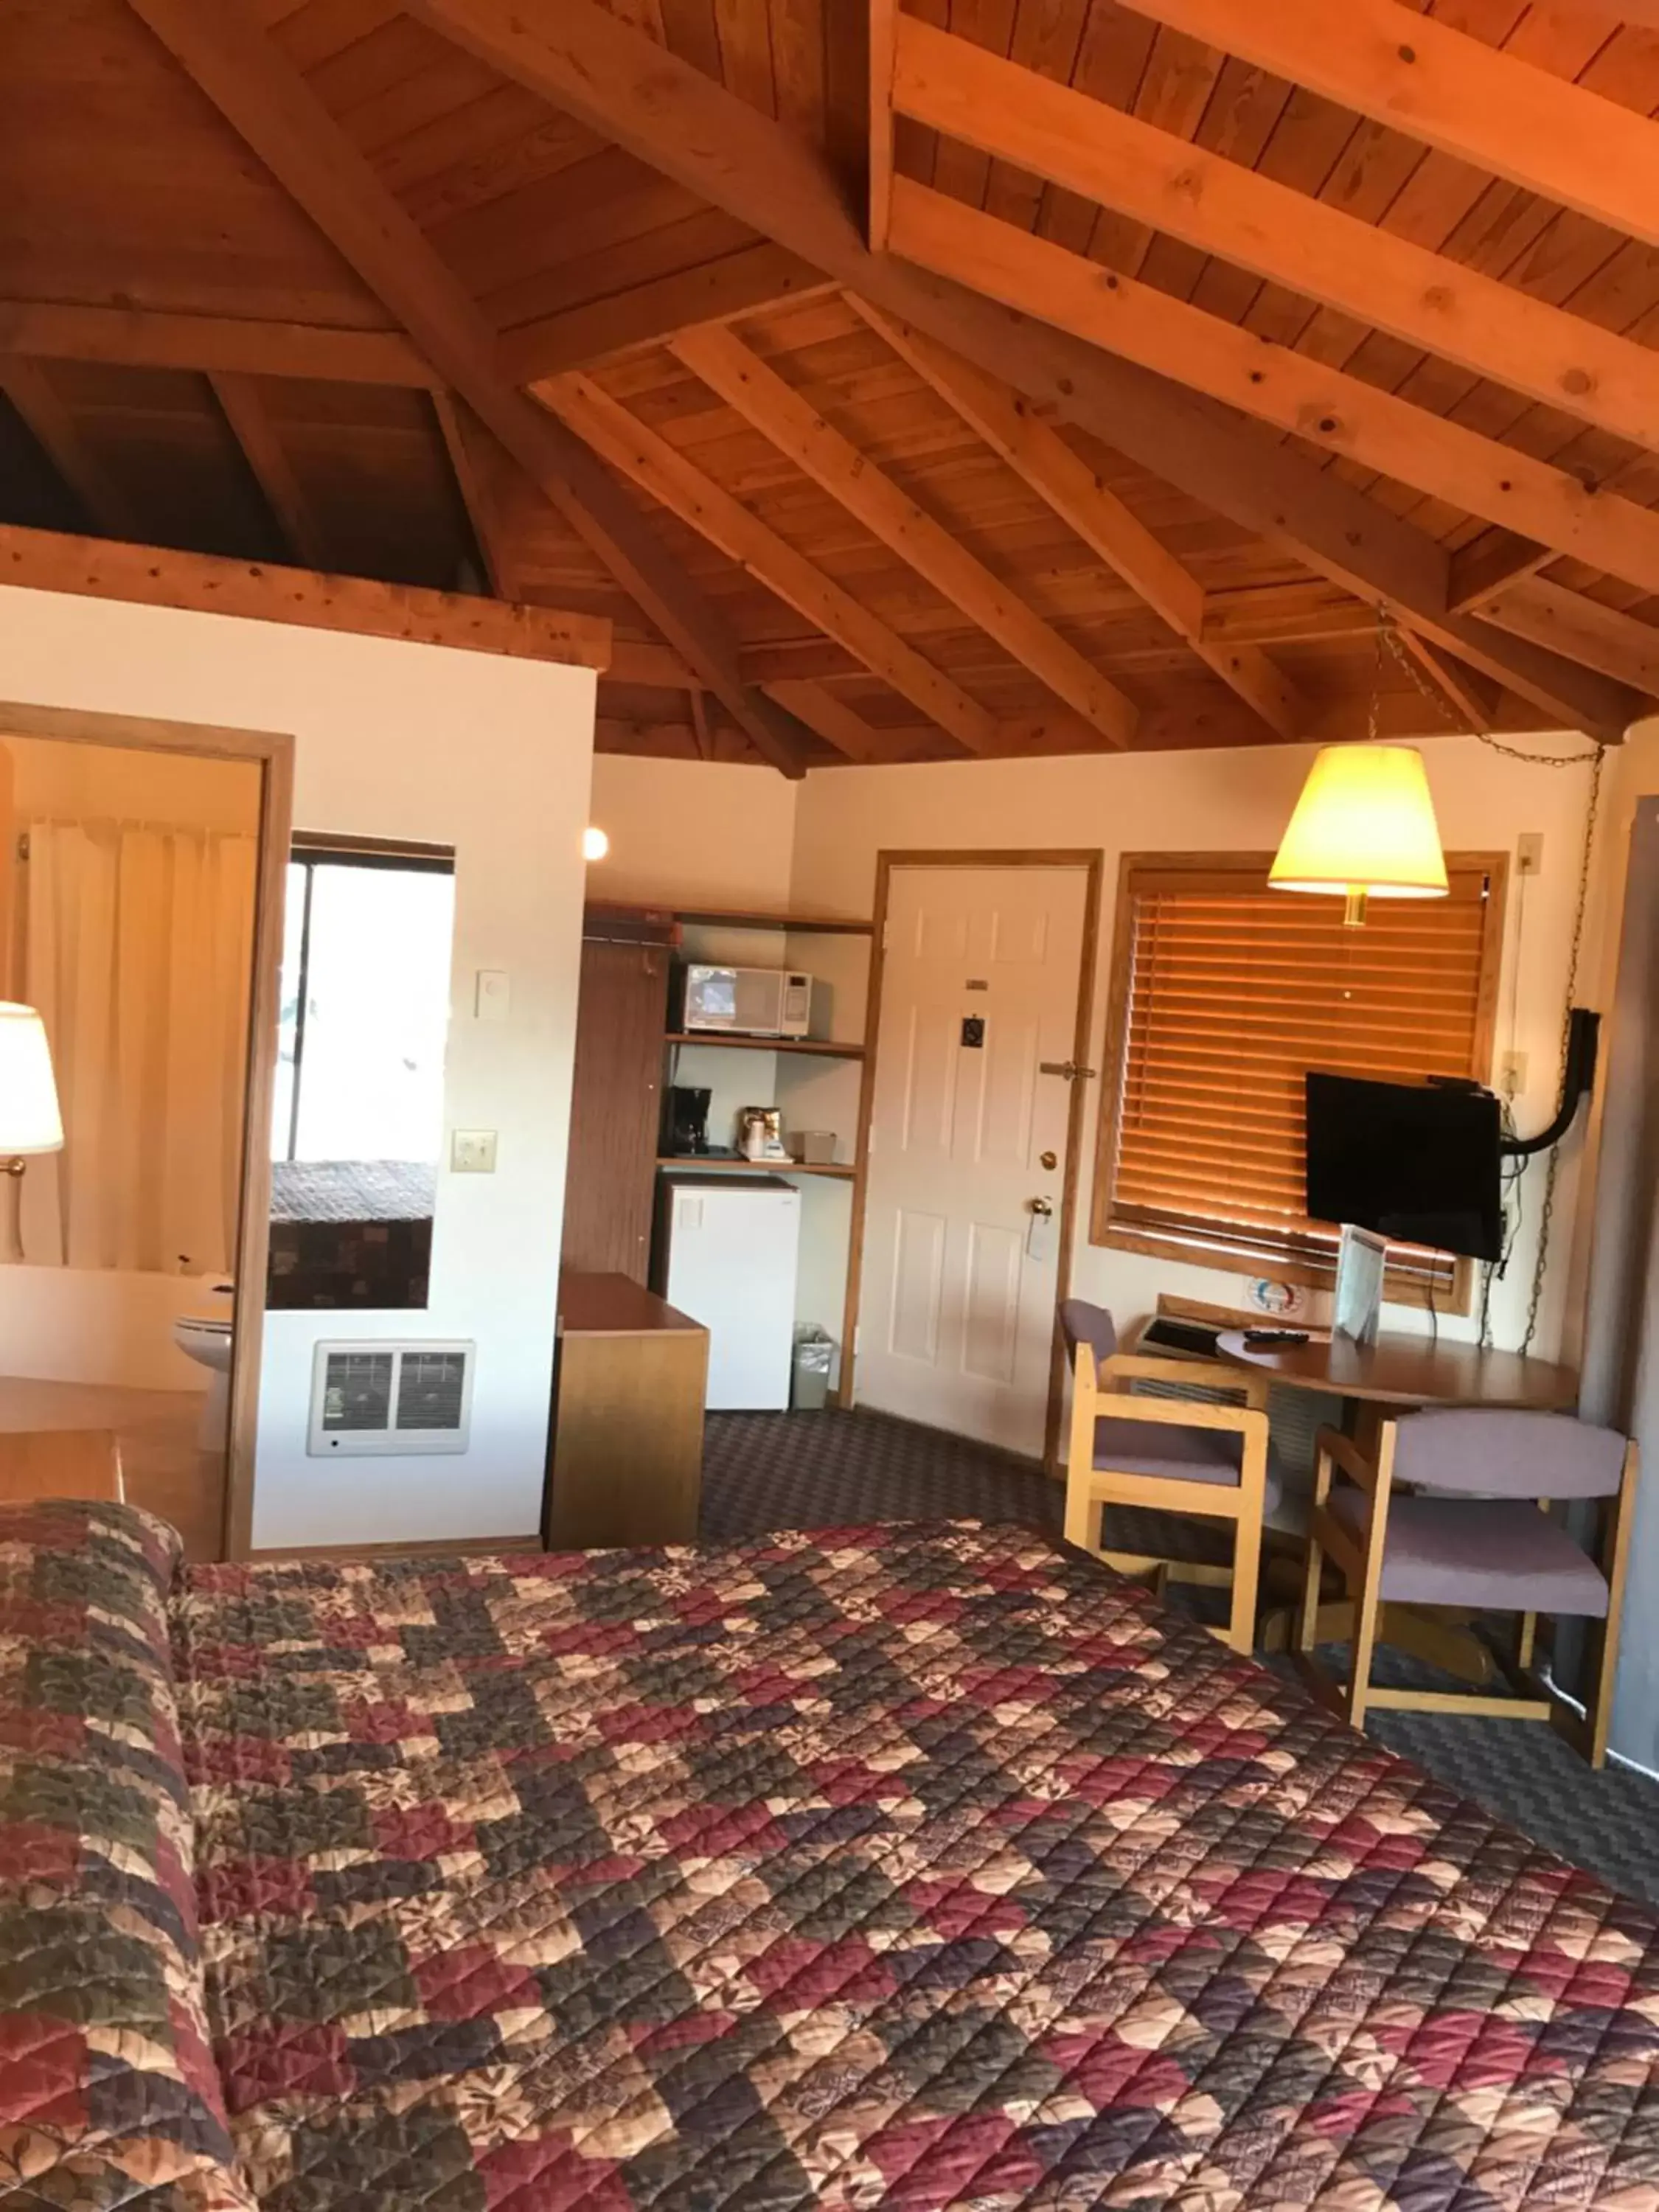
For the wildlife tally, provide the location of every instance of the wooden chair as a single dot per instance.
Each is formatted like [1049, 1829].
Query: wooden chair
[1473, 1532]
[1165, 1455]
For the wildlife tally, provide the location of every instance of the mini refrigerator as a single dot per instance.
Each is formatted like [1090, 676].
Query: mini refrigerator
[727, 1248]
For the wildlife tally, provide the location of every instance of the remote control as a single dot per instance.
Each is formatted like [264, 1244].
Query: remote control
[1257, 1337]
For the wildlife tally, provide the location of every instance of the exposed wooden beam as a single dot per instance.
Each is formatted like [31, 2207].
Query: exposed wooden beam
[143, 337]
[1452, 91]
[884, 47]
[55, 431]
[1495, 558]
[741, 284]
[1277, 385]
[1471, 697]
[462, 433]
[669, 115]
[836, 723]
[243, 410]
[1616, 643]
[1040, 457]
[252, 83]
[1287, 237]
[650, 461]
[152, 577]
[794, 426]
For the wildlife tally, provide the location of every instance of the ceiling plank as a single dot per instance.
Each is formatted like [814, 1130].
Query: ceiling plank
[1616, 643]
[461, 431]
[1452, 91]
[626, 87]
[1470, 696]
[154, 577]
[1218, 206]
[141, 338]
[650, 461]
[1495, 558]
[30, 391]
[833, 719]
[794, 426]
[248, 78]
[1359, 420]
[743, 283]
[1042, 459]
[251, 426]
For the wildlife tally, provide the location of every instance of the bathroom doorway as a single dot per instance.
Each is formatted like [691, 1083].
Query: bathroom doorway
[142, 873]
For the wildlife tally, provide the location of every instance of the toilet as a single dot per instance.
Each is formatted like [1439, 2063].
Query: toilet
[205, 1336]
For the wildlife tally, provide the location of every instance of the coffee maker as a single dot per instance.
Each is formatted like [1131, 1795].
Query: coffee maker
[688, 1119]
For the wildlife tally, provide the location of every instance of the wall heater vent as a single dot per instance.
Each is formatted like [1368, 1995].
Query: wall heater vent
[390, 1398]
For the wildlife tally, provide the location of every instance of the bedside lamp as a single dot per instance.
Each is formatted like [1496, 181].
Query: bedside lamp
[29, 1120]
[1363, 828]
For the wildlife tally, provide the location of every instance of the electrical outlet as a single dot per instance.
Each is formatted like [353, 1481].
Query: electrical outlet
[1512, 1075]
[1529, 853]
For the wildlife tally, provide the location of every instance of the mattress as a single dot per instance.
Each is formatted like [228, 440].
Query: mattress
[902, 1867]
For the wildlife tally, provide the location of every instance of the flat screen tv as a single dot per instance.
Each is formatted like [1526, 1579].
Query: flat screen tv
[1413, 1162]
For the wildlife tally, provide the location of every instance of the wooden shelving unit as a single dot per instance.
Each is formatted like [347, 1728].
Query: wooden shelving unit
[720, 1165]
[820, 1048]
[824, 925]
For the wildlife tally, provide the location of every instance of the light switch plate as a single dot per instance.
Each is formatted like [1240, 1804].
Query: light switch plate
[473, 1152]
[492, 997]
[1529, 853]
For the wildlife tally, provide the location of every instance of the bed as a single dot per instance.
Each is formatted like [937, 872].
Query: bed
[907, 1866]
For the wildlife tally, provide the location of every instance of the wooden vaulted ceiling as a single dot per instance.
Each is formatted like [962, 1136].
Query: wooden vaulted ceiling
[978, 377]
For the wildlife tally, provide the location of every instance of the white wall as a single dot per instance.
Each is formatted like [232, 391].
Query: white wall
[1232, 800]
[682, 831]
[401, 740]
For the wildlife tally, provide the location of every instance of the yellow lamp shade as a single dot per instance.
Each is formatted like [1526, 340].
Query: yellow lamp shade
[1364, 824]
[29, 1120]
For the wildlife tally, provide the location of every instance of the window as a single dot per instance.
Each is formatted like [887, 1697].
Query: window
[1224, 995]
[365, 1004]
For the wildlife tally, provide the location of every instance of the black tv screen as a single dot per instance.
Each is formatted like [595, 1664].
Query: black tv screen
[1413, 1162]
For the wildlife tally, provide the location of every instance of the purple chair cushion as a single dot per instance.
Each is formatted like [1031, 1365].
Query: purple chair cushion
[1080, 1323]
[1484, 1554]
[1488, 1450]
[1169, 1452]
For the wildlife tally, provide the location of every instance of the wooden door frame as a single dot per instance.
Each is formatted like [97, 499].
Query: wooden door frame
[1092, 863]
[272, 752]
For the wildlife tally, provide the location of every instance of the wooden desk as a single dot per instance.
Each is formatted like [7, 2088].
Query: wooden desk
[38, 1463]
[625, 1463]
[1402, 1371]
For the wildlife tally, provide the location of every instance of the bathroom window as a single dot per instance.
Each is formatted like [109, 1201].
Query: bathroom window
[357, 1127]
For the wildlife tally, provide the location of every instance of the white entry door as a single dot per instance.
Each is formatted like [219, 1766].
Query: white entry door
[961, 1265]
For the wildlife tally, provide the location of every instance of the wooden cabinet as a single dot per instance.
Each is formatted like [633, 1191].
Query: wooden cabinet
[626, 1462]
[615, 1107]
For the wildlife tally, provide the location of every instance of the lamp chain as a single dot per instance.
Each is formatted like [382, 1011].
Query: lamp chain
[1596, 756]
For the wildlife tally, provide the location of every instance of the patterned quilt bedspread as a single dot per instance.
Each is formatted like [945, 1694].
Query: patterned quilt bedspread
[905, 1867]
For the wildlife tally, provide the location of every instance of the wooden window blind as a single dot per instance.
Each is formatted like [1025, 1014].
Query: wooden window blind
[1223, 995]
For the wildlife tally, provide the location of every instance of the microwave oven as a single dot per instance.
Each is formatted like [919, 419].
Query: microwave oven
[750, 1001]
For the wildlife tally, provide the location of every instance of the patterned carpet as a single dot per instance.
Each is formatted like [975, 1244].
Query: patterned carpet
[766, 1471]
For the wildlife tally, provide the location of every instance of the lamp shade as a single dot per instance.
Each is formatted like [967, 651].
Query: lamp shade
[29, 1120]
[1364, 823]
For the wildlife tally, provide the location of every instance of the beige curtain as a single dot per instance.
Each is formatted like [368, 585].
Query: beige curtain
[139, 956]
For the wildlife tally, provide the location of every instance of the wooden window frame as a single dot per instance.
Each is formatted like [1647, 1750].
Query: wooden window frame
[1223, 871]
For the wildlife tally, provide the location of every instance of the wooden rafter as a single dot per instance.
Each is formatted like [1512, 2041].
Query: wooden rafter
[666, 112]
[462, 434]
[1287, 237]
[1472, 699]
[245, 411]
[885, 21]
[247, 77]
[153, 576]
[1359, 420]
[142, 337]
[1040, 457]
[1616, 643]
[794, 426]
[31, 392]
[1495, 558]
[648, 460]
[1452, 91]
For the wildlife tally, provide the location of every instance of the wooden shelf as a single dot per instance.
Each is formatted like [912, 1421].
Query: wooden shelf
[821, 1047]
[821, 925]
[720, 1166]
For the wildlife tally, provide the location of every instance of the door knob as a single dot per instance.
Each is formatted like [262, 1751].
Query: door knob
[1041, 1206]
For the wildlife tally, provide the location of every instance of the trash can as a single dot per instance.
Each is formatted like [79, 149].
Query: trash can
[815, 1349]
